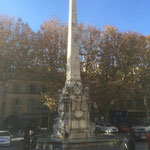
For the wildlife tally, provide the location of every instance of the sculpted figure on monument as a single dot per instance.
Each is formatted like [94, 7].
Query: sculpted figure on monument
[59, 125]
[61, 111]
[66, 90]
[77, 89]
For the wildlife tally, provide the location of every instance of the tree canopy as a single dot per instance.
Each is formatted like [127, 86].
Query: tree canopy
[114, 64]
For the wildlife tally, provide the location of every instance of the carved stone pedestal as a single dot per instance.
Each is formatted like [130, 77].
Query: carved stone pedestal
[73, 113]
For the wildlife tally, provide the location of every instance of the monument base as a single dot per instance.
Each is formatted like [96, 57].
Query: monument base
[75, 144]
[81, 135]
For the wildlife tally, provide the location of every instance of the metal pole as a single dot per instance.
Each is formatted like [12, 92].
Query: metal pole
[147, 109]
[3, 97]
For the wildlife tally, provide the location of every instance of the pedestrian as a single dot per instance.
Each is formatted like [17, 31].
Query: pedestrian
[26, 140]
[125, 144]
[148, 139]
[32, 139]
[131, 139]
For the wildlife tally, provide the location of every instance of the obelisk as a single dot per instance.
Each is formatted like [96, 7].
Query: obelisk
[73, 58]
[73, 107]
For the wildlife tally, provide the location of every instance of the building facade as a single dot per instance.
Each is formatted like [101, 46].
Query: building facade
[131, 111]
[24, 108]
[23, 105]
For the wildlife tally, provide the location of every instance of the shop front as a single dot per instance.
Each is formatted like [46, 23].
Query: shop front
[118, 117]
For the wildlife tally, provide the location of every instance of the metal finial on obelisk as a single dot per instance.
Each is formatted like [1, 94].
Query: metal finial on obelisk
[73, 58]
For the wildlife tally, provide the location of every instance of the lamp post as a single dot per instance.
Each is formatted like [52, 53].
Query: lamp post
[145, 85]
[147, 109]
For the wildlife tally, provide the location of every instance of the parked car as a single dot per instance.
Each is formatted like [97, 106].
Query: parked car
[122, 128]
[140, 132]
[107, 128]
[147, 127]
[5, 138]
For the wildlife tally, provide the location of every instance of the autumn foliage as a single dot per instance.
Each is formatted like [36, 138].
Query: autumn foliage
[115, 65]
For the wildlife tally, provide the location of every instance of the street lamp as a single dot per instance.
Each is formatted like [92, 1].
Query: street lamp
[145, 82]
[147, 109]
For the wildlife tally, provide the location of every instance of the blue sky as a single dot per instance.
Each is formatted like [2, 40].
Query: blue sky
[124, 14]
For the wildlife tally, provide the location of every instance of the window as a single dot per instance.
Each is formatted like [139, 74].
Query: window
[129, 104]
[32, 88]
[121, 103]
[31, 105]
[138, 103]
[16, 105]
[16, 101]
[39, 106]
[43, 89]
[16, 87]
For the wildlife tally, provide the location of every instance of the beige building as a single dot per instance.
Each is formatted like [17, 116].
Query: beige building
[23, 103]
[23, 97]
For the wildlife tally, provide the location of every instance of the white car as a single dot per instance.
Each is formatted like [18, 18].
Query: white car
[139, 128]
[147, 128]
[5, 138]
[108, 128]
[143, 127]
[140, 131]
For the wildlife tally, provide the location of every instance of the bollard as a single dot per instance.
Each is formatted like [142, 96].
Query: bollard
[38, 146]
[45, 146]
[50, 147]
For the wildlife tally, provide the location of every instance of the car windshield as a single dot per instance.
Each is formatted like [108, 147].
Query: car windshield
[140, 130]
[144, 125]
[4, 134]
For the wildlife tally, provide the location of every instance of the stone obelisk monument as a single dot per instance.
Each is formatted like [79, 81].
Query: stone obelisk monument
[73, 107]
[73, 59]
[73, 129]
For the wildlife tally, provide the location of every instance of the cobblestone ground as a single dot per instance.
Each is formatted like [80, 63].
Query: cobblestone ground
[139, 146]
[17, 144]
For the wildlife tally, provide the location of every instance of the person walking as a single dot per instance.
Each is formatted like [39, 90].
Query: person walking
[26, 140]
[32, 138]
[148, 139]
[131, 139]
[125, 144]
